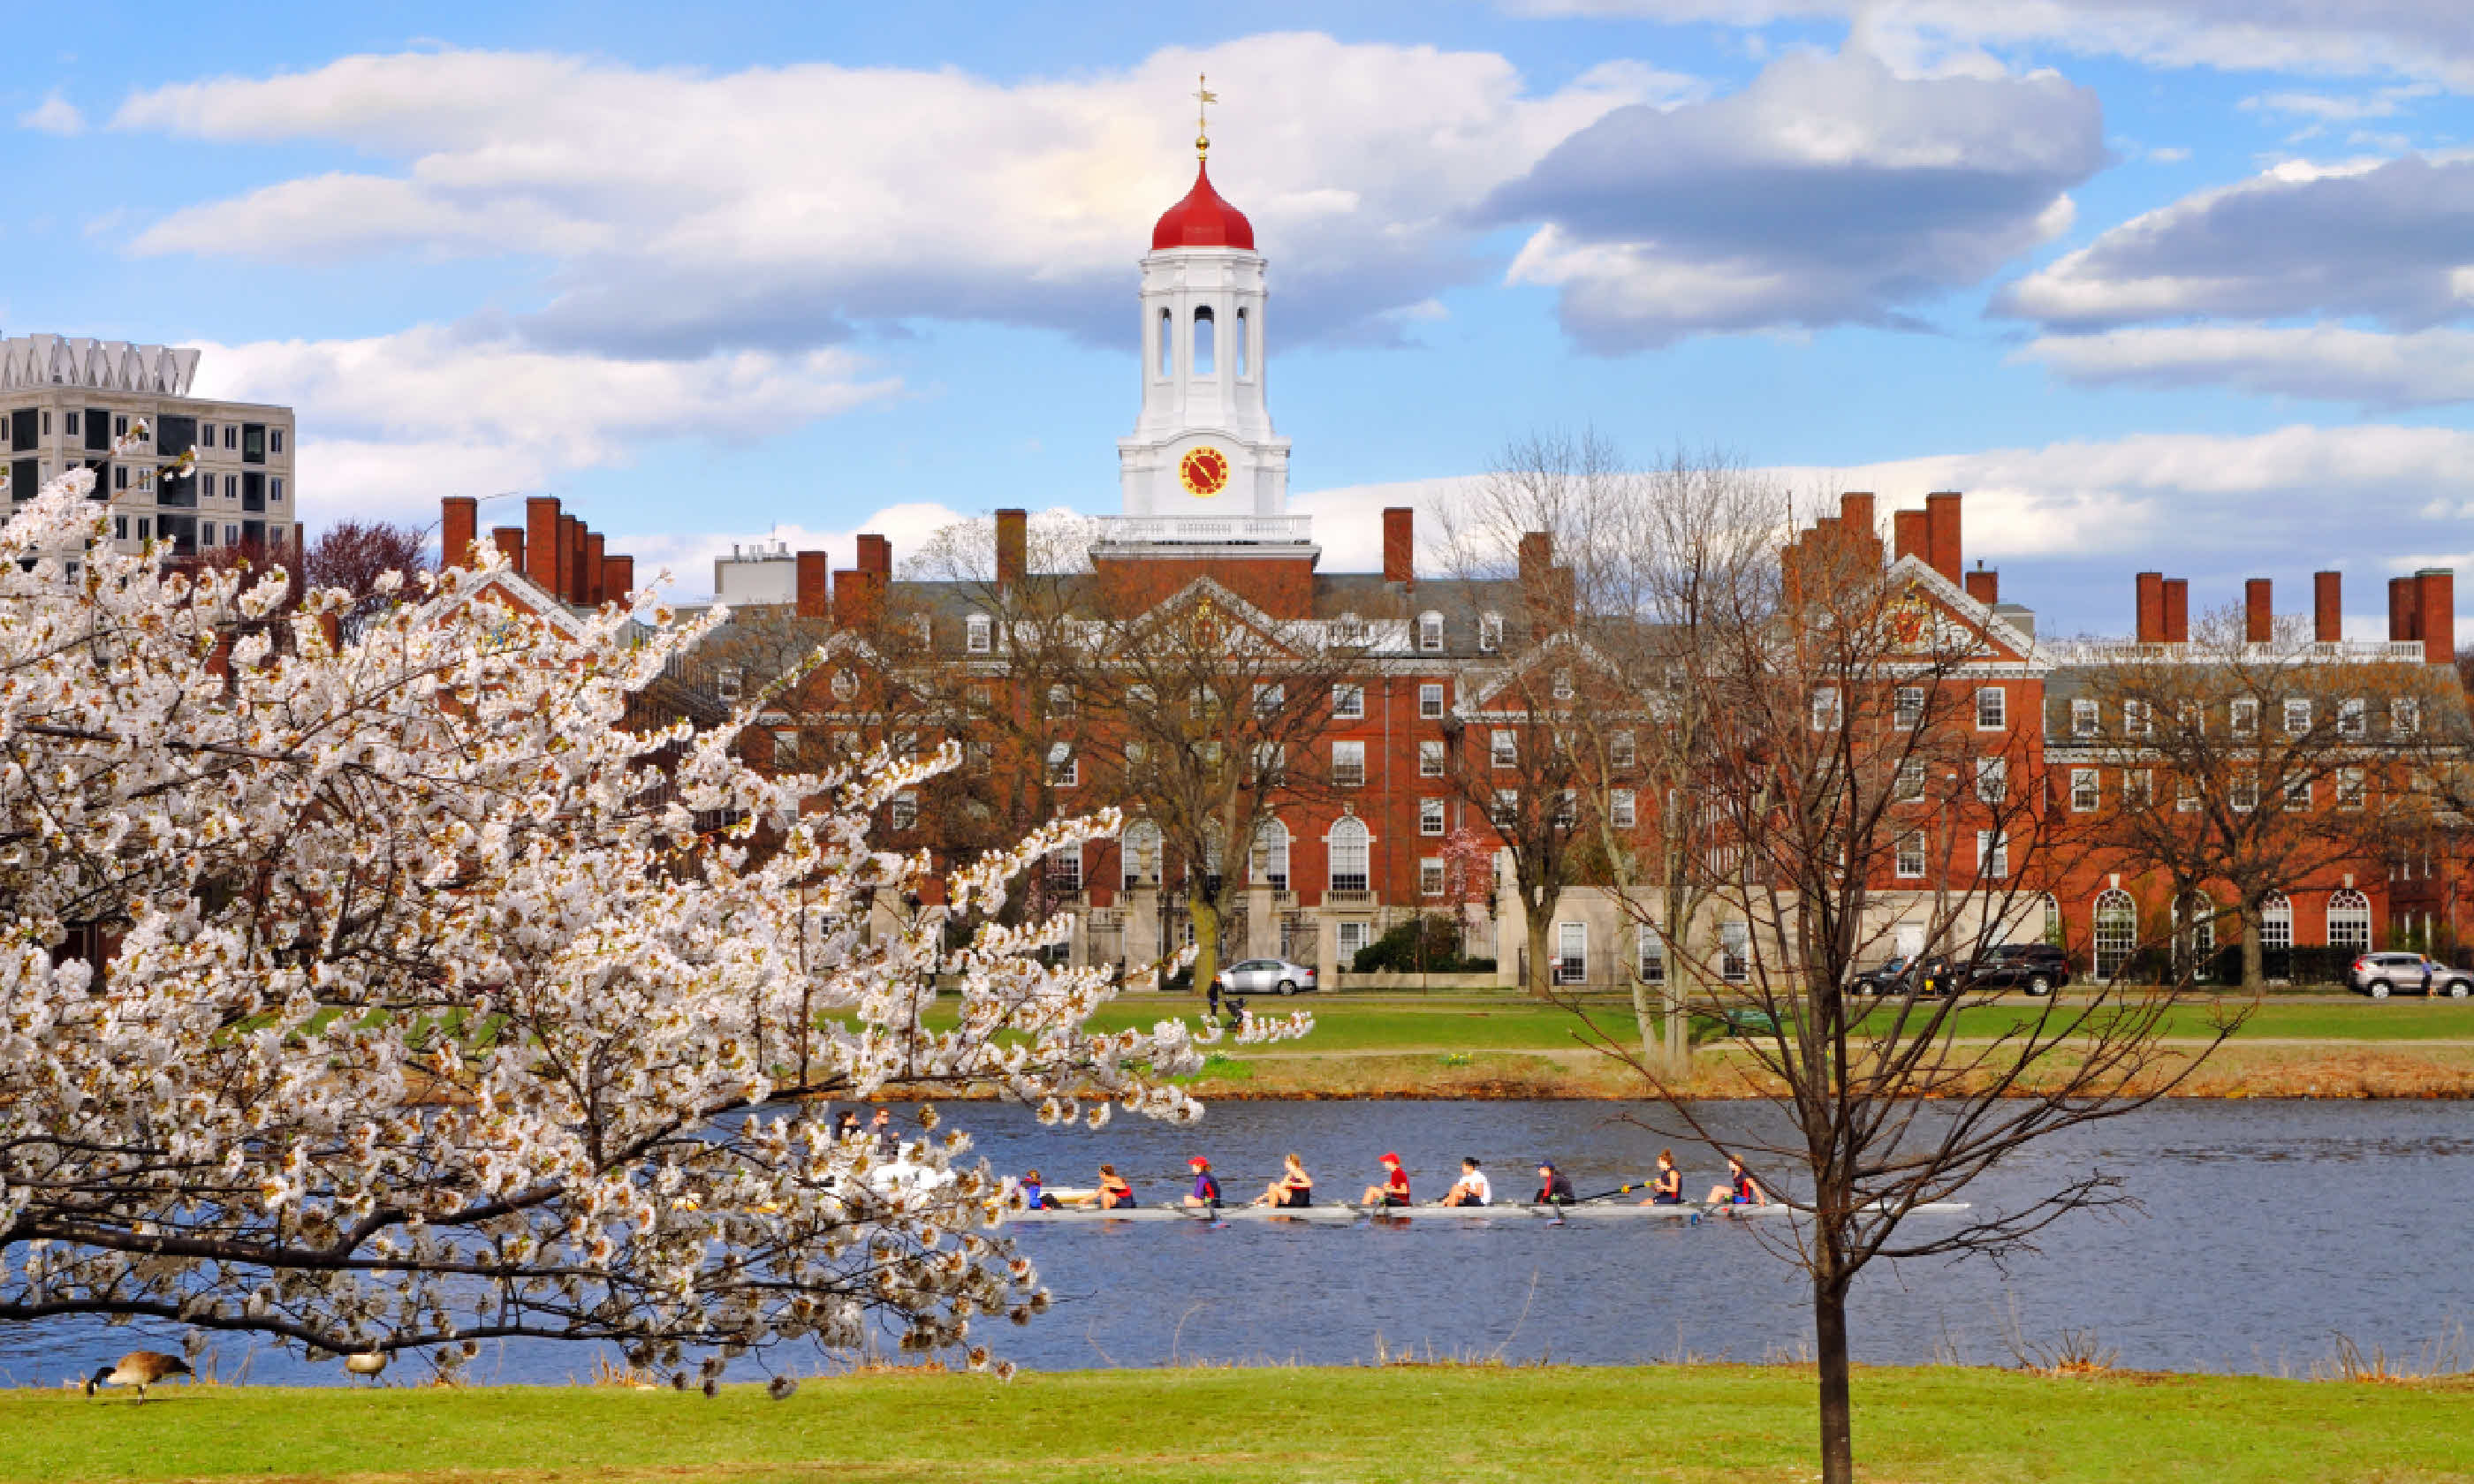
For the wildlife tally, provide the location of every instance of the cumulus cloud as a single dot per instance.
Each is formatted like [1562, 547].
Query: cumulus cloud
[2420, 38]
[688, 211]
[53, 115]
[1829, 191]
[2392, 240]
[391, 422]
[2334, 363]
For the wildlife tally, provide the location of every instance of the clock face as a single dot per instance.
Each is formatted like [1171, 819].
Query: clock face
[1203, 471]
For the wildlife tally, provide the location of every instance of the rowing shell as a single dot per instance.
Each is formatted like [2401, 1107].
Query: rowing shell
[1342, 1215]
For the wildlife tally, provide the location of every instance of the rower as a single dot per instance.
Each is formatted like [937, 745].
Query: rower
[1294, 1188]
[1472, 1188]
[1206, 1186]
[1394, 1189]
[1115, 1193]
[1032, 1197]
[1667, 1189]
[1740, 1188]
[1554, 1186]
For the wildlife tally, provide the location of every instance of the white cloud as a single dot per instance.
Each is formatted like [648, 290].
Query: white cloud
[2428, 368]
[53, 115]
[687, 555]
[688, 211]
[2417, 38]
[2386, 238]
[392, 422]
[1829, 191]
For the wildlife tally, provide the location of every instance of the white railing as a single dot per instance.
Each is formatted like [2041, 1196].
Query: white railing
[1202, 530]
[2121, 651]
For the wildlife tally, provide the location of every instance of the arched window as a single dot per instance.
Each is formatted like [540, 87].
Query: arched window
[1203, 341]
[2276, 921]
[1270, 864]
[1142, 854]
[2195, 935]
[1244, 347]
[2349, 920]
[2049, 928]
[2117, 931]
[1351, 859]
[1167, 343]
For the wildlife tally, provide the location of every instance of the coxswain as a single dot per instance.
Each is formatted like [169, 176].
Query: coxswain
[1394, 1188]
[1206, 1186]
[1294, 1188]
[1740, 1188]
[1667, 1189]
[1115, 1194]
[1032, 1197]
[1554, 1186]
[1472, 1188]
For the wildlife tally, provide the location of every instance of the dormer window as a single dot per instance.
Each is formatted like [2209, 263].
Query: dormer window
[1490, 632]
[1430, 632]
[977, 631]
[727, 682]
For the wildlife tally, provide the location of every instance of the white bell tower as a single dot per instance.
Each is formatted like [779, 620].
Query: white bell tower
[1203, 463]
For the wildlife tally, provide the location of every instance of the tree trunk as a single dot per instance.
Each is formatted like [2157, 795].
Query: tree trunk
[1837, 1419]
[1541, 974]
[2254, 957]
[1681, 968]
[1205, 914]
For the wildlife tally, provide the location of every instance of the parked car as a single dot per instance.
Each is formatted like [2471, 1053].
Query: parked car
[1255, 975]
[2382, 975]
[2037, 968]
[1929, 976]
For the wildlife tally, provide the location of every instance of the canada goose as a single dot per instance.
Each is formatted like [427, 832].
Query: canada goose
[370, 1363]
[139, 1368]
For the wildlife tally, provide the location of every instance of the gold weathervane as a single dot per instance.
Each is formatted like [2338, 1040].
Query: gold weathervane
[1203, 97]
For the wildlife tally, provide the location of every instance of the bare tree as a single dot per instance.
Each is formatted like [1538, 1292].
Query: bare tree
[1849, 783]
[354, 554]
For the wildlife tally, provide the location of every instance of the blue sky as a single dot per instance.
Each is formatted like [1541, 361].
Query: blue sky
[2161, 283]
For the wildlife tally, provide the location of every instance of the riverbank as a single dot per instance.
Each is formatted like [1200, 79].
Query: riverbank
[1686, 1423]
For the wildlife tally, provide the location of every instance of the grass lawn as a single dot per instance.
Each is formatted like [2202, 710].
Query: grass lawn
[1680, 1424]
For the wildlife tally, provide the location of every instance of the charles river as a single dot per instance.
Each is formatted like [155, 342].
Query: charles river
[2267, 1228]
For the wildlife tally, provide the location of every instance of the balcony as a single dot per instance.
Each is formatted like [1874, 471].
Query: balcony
[1337, 897]
[1204, 530]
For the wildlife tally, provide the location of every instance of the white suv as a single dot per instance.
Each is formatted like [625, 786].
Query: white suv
[2382, 975]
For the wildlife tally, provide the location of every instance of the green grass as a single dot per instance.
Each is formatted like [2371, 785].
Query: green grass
[1688, 1424]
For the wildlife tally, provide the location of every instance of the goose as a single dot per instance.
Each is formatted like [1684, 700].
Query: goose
[370, 1363]
[139, 1368]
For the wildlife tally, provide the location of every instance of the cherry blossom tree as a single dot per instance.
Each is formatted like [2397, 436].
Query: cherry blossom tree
[391, 994]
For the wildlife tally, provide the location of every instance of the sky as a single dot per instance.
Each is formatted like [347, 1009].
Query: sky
[2171, 284]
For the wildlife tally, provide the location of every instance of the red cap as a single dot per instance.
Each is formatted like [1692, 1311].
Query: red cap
[1391, 1158]
[1200, 1162]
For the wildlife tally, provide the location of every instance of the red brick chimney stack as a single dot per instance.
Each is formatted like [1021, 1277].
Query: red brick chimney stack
[2403, 610]
[617, 576]
[1912, 535]
[876, 554]
[2151, 607]
[1984, 587]
[593, 543]
[459, 520]
[814, 584]
[2327, 608]
[2436, 613]
[1399, 544]
[2178, 611]
[541, 540]
[2259, 617]
[1013, 547]
[510, 541]
[1941, 522]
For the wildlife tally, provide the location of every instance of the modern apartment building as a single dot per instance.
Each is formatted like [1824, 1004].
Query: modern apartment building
[71, 402]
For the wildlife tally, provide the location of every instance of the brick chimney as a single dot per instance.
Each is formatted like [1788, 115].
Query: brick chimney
[1912, 535]
[1941, 522]
[2403, 610]
[814, 582]
[2151, 607]
[1859, 523]
[594, 558]
[510, 541]
[1013, 547]
[1399, 544]
[617, 576]
[2178, 611]
[1984, 587]
[2327, 608]
[541, 540]
[458, 522]
[876, 554]
[2436, 613]
[2259, 618]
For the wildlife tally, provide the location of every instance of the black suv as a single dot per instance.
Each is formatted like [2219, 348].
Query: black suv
[2038, 967]
[1923, 975]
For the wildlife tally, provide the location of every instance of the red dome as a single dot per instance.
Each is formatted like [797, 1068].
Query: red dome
[1202, 219]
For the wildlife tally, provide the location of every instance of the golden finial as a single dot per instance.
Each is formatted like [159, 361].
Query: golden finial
[1203, 97]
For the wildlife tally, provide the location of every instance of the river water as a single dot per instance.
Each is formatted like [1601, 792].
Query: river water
[2267, 1228]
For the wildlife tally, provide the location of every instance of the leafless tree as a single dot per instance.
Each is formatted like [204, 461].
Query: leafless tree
[354, 554]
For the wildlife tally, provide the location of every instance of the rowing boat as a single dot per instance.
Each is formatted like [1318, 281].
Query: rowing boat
[1345, 1214]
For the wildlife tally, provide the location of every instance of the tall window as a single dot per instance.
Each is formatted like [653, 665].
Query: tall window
[2195, 935]
[1430, 634]
[1244, 347]
[2349, 920]
[1203, 341]
[1620, 809]
[975, 631]
[1571, 952]
[2351, 721]
[1270, 862]
[2245, 716]
[1490, 632]
[1065, 769]
[2083, 790]
[1348, 702]
[1349, 764]
[2298, 793]
[1622, 751]
[1507, 807]
[1991, 779]
[2245, 793]
[1652, 955]
[1430, 876]
[2350, 788]
[2405, 715]
[1912, 855]
[1430, 817]
[1992, 855]
[1351, 855]
[1735, 953]
[1909, 708]
[2138, 787]
[1065, 868]
[1430, 759]
[2117, 931]
[1825, 709]
[1505, 751]
[1351, 938]
[1167, 343]
[1430, 702]
[2276, 921]
[2297, 716]
[2137, 719]
[1992, 708]
[1911, 782]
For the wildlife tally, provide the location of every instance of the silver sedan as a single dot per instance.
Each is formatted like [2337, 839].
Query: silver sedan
[1260, 976]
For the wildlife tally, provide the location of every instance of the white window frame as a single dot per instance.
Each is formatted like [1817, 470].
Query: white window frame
[2138, 787]
[978, 633]
[1430, 634]
[1825, 710]
[1490, 632]
[1623, 751]
[1349, 764]
[2297, 715]
[1430, 759]
[2243, 795]
[2353, 717]
[2405, 716]
[1430, 702]
[1992, 708]
[1649, 955]
[1993, 854]
[2243, 714]
[1431, 818]
[1908, 784]
[2352, 788]
[2297, 794]
[1992, 779]
[1503, 749]
[2138, 719]
[1907, 707]
[1910, 856]
[1348, 702]
[1350, 843]
[1507, 808]
[2086, 793]
[1430, 876]
[1623, 812]
[1571, 968]
[1735, 951]
[2087, 718]
[904, 811]
[1348, 940]
[1064, 768]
